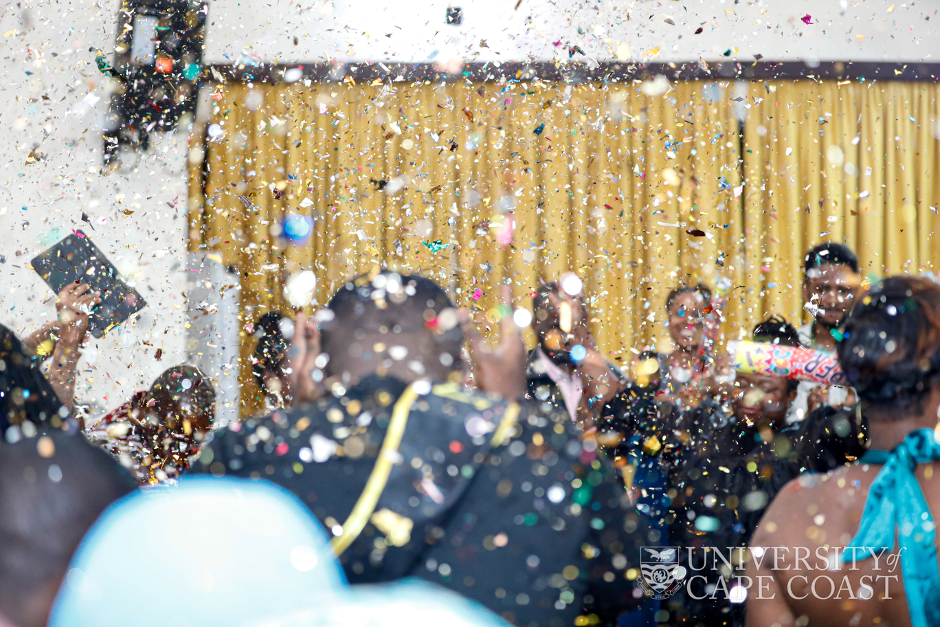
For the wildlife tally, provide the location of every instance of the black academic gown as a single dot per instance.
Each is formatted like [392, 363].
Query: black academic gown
[487, 498]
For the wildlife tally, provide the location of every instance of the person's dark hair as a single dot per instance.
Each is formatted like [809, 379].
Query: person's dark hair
[541, 295]
[52, 489]
[699, 288]
[183, 384]
[271, 349]
[777, 330]
[25, 394]
[389, 304]
[889, 349]
[831, 253]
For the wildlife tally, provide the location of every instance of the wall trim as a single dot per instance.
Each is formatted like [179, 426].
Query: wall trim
[363, 71]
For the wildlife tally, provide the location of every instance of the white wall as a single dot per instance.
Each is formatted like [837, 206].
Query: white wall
[264, 30]
[53, 95]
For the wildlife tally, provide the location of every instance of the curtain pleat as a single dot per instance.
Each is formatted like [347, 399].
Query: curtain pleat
[636, 192]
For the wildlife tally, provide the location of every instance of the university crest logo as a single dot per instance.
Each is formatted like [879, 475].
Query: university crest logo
[661, 574]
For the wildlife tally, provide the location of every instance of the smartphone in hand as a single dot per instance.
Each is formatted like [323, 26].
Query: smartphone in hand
[76, 258]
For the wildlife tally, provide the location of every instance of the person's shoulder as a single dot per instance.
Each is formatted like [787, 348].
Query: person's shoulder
[810, 487]
[789, 505]
[458, 395]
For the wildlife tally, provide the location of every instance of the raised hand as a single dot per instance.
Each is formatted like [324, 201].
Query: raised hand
[302, 357]
[74, 303]
[597, 380]
[500, 370]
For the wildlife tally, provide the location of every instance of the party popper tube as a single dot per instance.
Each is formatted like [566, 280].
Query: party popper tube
[789, 362]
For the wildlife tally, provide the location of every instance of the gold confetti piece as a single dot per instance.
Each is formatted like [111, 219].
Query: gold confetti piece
[652, 445]
[565, 317]
[653, 52]
[45, 347]
[397, 528]
[118, 429]
[860, 37]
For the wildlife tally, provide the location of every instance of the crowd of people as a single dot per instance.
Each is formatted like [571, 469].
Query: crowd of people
[546, 487]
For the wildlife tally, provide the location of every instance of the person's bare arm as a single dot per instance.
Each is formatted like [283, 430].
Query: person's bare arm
[599, 382]
[62, 373]
[74, 304]
[769, 605]
[305, 348]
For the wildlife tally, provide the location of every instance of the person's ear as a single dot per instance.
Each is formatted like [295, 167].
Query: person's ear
[791, 395]
[805, 290]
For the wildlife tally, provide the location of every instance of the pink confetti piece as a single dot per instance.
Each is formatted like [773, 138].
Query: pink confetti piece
[806, 19]
[477, 294]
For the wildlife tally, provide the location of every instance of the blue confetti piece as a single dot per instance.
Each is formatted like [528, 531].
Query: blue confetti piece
[538, 130]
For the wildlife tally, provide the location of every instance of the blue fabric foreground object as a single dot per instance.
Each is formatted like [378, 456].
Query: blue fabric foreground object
[238, 553]
[896, 502]
[205, 552]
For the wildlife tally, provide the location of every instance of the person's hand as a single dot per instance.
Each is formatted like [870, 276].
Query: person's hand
[821, 396]
[302, 357]
[74, 304]
[597, 380]
[500, 370]
[719, 379]
[581, 334]
[851, 398]
[817, 397]
[578, 333]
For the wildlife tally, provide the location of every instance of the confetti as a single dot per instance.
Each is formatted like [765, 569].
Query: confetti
[435, 246]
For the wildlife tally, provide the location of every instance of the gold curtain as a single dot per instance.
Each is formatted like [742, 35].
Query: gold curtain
[635, 191]
[850, 162]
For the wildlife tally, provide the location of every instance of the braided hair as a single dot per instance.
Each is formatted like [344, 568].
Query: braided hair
[889, 350]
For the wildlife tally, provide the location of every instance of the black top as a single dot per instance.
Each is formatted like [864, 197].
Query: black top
[25, 394]
[506, 516]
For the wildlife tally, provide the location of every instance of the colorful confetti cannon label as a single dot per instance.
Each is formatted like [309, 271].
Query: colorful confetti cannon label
[788, 362]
